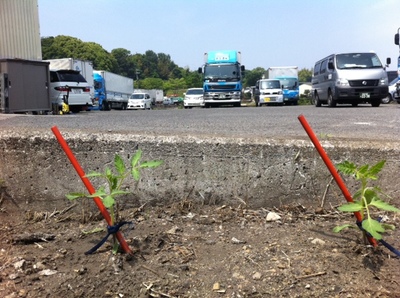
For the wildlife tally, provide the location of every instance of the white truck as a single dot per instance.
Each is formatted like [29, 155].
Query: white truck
[289, 78]
[111, 90]
[157, 95]
[83, 66]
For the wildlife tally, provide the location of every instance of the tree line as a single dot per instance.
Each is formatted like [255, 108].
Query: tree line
[149, 70]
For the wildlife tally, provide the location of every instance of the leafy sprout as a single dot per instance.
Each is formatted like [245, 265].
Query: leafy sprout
[366, 199]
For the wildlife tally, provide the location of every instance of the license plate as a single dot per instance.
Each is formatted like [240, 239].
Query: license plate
[267, 99]
[365, 95]
[76, 91]
[222, 96]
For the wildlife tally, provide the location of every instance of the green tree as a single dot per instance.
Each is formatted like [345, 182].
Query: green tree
[305, 75]
[252, 76]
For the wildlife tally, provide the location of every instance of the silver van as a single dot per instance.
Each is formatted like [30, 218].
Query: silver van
[349, 78]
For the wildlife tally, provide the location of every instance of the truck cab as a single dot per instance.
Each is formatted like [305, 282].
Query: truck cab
[222, 78]
[268, 92]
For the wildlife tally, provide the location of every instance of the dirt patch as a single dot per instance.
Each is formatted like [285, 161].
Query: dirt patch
[187, 249]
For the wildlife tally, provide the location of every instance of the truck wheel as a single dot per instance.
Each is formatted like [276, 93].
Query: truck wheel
[315, 100]
[331, 101]
[376, 103]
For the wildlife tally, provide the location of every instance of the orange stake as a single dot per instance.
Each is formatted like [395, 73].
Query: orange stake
[89, 186]
[333, 170]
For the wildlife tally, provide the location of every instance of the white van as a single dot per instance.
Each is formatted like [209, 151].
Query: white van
[267, 92]
[349, 78]
[70, 86]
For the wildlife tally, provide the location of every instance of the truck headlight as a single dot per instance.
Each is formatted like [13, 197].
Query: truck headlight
[383, 81]
[342, 82]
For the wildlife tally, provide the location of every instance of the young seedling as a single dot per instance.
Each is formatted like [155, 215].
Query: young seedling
[115, 182]
[366, 199]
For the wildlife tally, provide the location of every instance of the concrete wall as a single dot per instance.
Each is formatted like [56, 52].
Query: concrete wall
[259, 173]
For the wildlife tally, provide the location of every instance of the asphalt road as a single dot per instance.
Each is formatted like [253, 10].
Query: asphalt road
[362, 122]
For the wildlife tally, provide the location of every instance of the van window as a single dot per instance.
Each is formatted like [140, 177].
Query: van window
[323, 66]
[316, 68]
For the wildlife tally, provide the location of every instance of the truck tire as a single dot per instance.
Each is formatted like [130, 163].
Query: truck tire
[331, 101]
[375, 103]
[316, 100]
[105, 106]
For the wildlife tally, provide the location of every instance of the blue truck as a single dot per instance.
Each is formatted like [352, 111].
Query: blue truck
[289, 78]
[222, 78]
[111, 91]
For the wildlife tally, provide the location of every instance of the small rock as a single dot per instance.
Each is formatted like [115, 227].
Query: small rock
[308, 286]
[272, 216]
[47, 272]
[19, 265]
[237, 241]
[318, 241]
[216, 286]
[257, 276]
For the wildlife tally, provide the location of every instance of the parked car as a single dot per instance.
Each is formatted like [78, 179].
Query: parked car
[71, 87]
[392, 92]
[139, 101]
[167, 101]
[193, 98]
[176, 100]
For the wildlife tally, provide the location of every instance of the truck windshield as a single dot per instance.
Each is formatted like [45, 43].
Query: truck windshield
[270, 85]
[224, 71]
[290, 84]
[358, 60]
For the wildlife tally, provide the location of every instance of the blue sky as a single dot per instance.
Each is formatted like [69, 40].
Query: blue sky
[268, 33]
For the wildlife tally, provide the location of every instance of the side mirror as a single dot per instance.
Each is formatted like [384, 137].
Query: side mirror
[199, 70]
[242, 68]
[396, 39]
[388, 61]
[330, 65]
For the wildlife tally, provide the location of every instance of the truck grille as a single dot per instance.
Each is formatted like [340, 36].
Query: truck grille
[363, 83]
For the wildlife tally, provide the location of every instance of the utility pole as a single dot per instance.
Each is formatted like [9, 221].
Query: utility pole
[396, 41]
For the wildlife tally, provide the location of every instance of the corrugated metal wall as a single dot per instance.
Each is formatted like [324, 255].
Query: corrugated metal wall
[19, 30]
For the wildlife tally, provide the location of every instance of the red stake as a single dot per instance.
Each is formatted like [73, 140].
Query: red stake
[89, 187]
[333, 170]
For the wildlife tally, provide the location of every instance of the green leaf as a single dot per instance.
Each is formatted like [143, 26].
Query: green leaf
[388, 227]
[119, 192]
[343, 227]
[75, 195]
[108, 172]
[347, 167]
[135, 174]
[108, 201]
[119, 164]
[369, 194]
[373, 227]
[99, 193]
[363, 170]
[383, 205]
[136, 158]
[151, 164]
[93, 174]
[114, 182]
[351, 207]
[377, 168]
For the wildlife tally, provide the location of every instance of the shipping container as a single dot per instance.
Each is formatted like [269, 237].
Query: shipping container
[19, 30]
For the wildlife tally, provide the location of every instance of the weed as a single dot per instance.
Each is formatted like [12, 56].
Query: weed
[366, 199]
[115, 182]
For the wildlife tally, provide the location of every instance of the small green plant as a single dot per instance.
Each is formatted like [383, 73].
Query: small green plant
[115, 180]
[366, 198]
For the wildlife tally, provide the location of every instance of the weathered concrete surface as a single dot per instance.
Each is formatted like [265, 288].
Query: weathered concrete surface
[267, 172]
